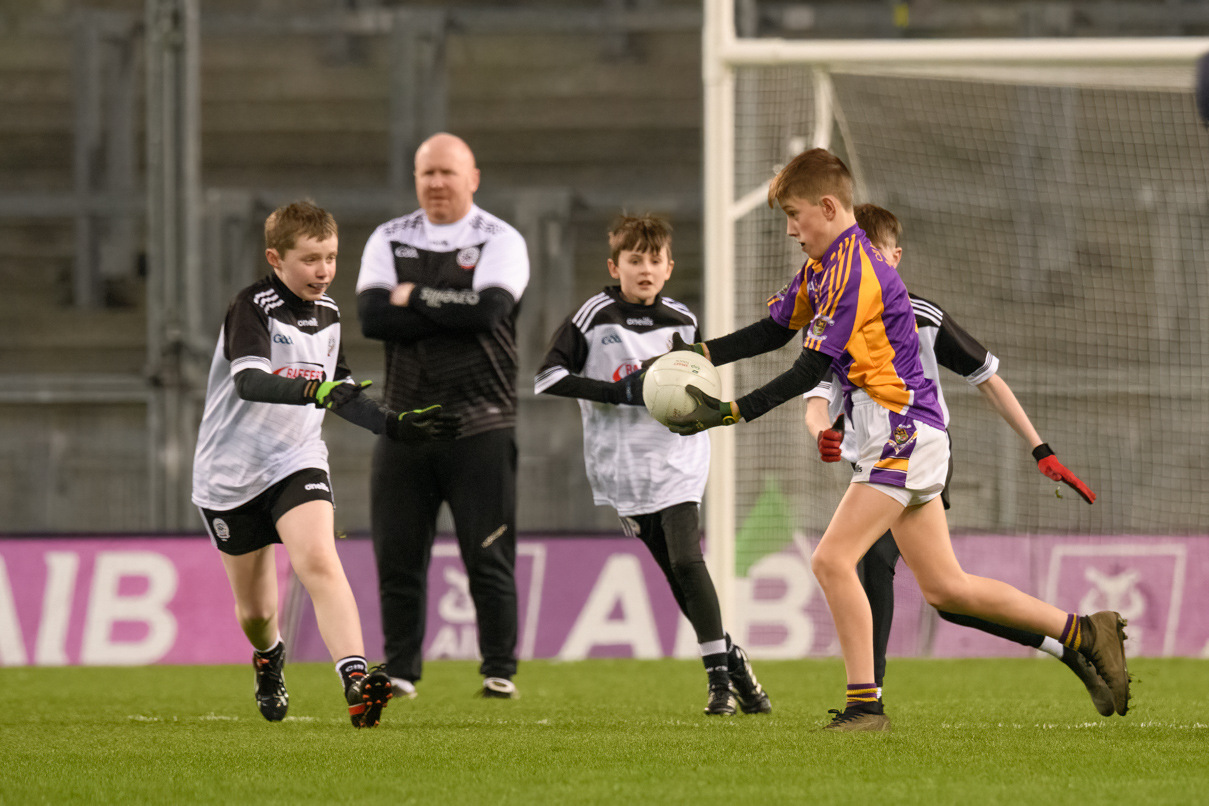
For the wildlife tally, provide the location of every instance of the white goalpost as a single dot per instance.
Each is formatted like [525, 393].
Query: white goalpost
[1054, 195]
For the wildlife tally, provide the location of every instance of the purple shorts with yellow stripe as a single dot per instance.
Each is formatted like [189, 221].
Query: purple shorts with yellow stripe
[904, 458]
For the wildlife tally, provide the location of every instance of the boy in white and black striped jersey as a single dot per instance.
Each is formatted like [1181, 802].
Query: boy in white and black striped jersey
[652, 477]
[942, 343]
[260, 473]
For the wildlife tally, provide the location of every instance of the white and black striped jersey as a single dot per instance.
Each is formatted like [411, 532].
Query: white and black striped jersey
[634, 464]
[471, 374]
[245, 447]
[942, 343]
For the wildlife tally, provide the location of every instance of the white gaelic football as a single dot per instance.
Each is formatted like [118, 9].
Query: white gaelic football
[663, 388]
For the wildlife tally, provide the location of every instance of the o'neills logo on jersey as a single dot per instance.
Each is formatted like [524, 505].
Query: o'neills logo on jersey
[642, 321]
[628, 367]
[468, 258]
[317, 485]
[312, 372]
[308, 323]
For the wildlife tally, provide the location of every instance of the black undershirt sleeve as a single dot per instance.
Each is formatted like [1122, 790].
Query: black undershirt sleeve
[760, 337]
[259, 386]
[804, 375]
[381, 320]
[463, 309]
[585, 389]
[366, 412]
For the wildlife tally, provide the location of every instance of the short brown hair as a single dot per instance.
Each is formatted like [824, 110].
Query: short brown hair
[285, 224]
[880, 225]
[812, 175]
[644, 233]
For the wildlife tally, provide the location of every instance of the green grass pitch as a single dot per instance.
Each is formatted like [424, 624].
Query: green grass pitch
[965, 731]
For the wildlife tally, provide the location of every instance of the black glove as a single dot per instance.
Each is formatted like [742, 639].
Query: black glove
[421, 425]
[710, 413]
[332, 394]
[628, 390]
[679, 345]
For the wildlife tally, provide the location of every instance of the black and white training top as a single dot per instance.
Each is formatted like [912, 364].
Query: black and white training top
[942, 343]
[435, 353]
[634, 464]
[244, 447]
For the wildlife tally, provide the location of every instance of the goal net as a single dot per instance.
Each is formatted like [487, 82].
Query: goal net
[1053, 196]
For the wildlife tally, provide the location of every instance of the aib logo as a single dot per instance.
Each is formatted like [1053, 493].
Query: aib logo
[278, 338]
[628, 367]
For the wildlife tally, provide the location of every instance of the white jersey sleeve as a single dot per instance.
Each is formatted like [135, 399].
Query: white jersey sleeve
[504, 264]
[377, 263]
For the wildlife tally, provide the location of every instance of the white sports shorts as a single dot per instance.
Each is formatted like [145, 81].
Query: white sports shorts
[904, 458]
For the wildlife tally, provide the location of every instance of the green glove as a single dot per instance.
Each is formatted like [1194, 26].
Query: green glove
[710, 413]
[332, 394]
[421, 425]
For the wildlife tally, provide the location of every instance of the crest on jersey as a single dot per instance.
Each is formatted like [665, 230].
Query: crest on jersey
[819, 325]
[331, 344]
[901, 436]
[406, 251]
[221, 530]
[468, 258]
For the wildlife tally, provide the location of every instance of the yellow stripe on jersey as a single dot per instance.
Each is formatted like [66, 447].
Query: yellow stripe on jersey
[893, 463]
[837, 283]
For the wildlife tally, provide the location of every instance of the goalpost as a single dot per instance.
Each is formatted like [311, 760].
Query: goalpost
[1055, 200]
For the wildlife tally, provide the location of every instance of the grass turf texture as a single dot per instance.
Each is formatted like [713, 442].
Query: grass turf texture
[965, 731]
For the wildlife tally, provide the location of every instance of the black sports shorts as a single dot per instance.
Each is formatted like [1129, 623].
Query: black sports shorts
[253, 525]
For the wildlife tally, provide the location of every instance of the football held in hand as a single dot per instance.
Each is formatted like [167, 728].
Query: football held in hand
[663, 389]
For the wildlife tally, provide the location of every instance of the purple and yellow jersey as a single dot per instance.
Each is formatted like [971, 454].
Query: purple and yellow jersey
[853, 306]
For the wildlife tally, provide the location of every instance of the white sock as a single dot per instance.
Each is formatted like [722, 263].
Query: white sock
[1051, 646]
[713, 647]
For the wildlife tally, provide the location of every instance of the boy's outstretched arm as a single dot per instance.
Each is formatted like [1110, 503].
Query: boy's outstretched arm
[565, 359]
[757, 338]
[1004, 402]
[960, 352]
[804, 375]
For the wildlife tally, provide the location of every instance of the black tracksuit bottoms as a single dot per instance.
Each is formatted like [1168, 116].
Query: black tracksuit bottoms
[477, 477]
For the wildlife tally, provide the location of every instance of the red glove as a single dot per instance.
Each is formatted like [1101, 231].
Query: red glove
[830, 441]
[1048, 464]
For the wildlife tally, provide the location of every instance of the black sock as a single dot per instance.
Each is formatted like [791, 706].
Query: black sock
[351, 669]
[715, 667]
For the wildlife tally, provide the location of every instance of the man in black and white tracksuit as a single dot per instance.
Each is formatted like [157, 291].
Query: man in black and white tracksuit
[441, 288]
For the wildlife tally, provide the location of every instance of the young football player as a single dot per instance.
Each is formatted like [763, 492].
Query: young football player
[859, 320]
[942, 343]
[260, 473]
[653, 478]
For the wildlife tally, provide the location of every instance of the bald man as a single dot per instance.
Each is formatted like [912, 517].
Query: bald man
[440, 287]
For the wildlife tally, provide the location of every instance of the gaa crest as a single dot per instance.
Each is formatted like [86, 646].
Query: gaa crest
[468, 258]
[221, 530]
[819, 325]
[901, 436]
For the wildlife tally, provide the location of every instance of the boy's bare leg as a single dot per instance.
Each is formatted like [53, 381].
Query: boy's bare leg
[922, 534]
[253, 579]
[308, 532]
[863, 515]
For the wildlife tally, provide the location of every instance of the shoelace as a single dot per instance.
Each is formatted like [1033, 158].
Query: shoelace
[842, 716]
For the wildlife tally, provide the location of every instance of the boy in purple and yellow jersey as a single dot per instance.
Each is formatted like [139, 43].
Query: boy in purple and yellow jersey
[859, 321]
